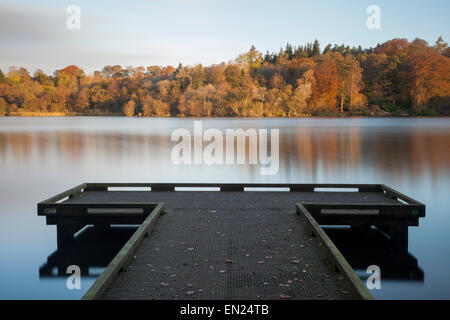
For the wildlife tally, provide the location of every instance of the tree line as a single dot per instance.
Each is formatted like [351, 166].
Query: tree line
[396, 77]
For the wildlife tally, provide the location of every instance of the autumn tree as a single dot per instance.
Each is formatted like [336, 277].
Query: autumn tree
[397, 75]
[71, 70]
[350, 78]
[316, 48]
[215, 74]
[81, 100]
[2, 77]
[3, 105]
[326, 85]
[197, 77]
[374, 68]
[251, 60]
[429, 79]
[234, 75]
[129, 108]
[440, 45]
[17, 76]
[393, 47]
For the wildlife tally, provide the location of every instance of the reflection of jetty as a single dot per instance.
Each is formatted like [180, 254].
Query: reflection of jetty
[92, 248]
[230, 241]
[375, 248]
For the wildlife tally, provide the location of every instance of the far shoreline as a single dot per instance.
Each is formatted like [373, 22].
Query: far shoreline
[104, 114]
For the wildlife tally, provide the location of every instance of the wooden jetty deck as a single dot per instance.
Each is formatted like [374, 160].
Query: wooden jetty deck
[238, 243]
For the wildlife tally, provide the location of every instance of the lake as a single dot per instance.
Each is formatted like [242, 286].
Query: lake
[40, 157]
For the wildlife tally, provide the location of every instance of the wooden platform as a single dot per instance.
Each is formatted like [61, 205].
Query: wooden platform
[250, 234]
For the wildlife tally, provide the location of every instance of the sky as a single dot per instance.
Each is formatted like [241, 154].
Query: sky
[34, 33]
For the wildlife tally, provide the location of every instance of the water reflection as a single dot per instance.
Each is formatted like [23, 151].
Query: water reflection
[40, 157]
[92, 250]
[308, 153]
[372, 247]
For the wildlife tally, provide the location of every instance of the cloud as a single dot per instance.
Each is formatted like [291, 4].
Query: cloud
[37, 37]
[25, 23]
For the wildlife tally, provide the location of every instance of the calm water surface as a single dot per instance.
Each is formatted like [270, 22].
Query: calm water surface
[40, 157]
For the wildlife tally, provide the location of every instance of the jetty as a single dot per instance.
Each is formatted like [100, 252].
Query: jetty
[229, 241]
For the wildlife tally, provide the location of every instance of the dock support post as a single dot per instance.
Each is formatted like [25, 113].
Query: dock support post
[65, 234]
[399, 237]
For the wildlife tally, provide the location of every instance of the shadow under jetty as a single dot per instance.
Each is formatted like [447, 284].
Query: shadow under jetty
[91, 248]
[373, 247]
